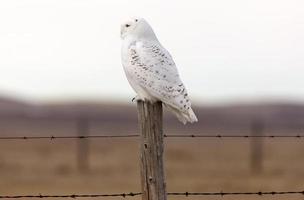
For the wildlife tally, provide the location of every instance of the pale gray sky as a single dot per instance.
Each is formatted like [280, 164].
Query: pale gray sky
[225, 50]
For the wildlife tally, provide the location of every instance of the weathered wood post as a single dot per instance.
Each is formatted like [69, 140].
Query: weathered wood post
[83, 145]
[150, 118]
[256, 160]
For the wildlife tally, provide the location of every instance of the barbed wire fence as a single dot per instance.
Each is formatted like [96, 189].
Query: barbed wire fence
[83, 135]
[133, 194]
[219, 136]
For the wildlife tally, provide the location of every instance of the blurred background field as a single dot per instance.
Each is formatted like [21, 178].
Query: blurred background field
[192, 164]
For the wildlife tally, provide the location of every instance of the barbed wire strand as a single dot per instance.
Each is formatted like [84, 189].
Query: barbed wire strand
[52, 137]
[131, 194]
[69, 196]
[232, 136]
[65, 137]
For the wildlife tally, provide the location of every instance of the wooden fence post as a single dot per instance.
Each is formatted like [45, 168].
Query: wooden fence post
[83, 145]
[257, 129]
[150, 118]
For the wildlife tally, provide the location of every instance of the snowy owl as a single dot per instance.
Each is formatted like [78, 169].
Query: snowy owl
[151, 70]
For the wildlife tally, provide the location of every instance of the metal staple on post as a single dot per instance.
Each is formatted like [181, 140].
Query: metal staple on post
[152, 147]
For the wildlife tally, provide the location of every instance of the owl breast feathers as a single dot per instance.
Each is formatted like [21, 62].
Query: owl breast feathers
[152, 72]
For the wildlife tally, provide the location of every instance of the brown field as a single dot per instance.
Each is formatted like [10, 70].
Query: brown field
[209, 165]
[192, 164]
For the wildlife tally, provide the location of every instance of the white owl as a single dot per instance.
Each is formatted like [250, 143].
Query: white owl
[151, 70]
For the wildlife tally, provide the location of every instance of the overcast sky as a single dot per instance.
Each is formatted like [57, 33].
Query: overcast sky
[236, 50]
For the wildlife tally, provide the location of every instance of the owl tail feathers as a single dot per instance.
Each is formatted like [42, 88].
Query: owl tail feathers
[181, 116]
[192, 116]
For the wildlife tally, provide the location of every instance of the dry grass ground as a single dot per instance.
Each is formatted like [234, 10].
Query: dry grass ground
[50, 167]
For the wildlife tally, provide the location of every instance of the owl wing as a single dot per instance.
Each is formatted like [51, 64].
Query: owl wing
[156, 72]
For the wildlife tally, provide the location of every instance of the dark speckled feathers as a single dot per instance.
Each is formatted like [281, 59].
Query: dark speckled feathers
[154, 69]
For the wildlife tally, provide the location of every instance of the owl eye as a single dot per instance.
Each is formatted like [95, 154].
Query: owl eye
[136, 20]
[127, 25]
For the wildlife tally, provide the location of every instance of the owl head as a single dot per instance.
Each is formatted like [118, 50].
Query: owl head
[137, 28]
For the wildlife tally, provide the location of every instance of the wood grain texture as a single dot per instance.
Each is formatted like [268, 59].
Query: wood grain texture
[150, 118]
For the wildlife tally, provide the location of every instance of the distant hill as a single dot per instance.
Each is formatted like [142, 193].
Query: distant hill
[274, 116]
[10, 107]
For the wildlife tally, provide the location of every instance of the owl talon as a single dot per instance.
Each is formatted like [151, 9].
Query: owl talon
[136, 98]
